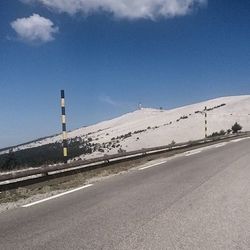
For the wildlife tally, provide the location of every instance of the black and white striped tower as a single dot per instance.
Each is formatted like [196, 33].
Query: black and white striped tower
[205, 112]
[64, 131]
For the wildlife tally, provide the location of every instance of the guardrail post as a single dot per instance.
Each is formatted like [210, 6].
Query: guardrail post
[45, 174]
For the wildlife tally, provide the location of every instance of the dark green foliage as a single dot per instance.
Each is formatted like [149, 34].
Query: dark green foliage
[120, 151]
[214, 134]
[9, 162]
[183, 117]
[236, 128]
[216, 107]
[222, 132]
[172, 143]
[43, 155]
[127, 135]
[210, 109]
[139, 131]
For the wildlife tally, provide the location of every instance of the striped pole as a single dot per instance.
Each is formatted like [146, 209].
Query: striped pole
[64, 131]
[205, 112]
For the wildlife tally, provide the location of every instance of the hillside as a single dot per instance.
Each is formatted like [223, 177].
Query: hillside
[153, 127]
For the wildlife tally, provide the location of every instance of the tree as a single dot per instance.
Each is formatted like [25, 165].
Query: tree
[236, 128]
[172, 144]
[10, 162]
[222, 132]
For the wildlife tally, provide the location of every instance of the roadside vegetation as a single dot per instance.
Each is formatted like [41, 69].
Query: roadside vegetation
[43, 155]
[52, 153]
[236, 128]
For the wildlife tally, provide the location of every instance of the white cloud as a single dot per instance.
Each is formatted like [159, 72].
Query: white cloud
[108, 100]
[34, 29]
[129, 9]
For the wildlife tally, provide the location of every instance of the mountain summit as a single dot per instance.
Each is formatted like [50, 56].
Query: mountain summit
[155, 127]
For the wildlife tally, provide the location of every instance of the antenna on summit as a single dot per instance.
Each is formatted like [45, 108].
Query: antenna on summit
[139, 106]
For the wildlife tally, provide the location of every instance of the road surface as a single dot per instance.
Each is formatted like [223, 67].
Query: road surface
[200, 200]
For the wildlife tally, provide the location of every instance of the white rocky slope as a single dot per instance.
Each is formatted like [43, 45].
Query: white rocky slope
[153, 127]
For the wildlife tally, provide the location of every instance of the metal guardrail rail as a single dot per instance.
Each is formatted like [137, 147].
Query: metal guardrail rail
[46, 170]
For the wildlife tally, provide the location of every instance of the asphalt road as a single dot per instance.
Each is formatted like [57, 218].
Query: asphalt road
[200, 200]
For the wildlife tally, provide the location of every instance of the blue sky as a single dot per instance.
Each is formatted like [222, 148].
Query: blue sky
[109, 57]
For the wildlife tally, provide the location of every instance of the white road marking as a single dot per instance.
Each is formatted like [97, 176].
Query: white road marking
[56, 196]
[193, 153]
[153, 165]
[221, 144]
[240, 139]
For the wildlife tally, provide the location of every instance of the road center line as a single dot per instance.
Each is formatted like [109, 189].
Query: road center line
[153, 165]
[56, 196]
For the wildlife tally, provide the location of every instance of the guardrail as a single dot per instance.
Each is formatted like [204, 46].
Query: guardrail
[46, 170]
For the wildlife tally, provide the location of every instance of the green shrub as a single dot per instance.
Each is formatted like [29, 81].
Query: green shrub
[236, 128]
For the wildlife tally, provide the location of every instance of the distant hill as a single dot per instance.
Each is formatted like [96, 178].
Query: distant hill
[149, 127]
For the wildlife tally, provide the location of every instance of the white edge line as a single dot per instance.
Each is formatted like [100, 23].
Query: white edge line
[56, 196]
[238, 140]
[153, 165]
[193, 153]
[221, 145]
[89, 185]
